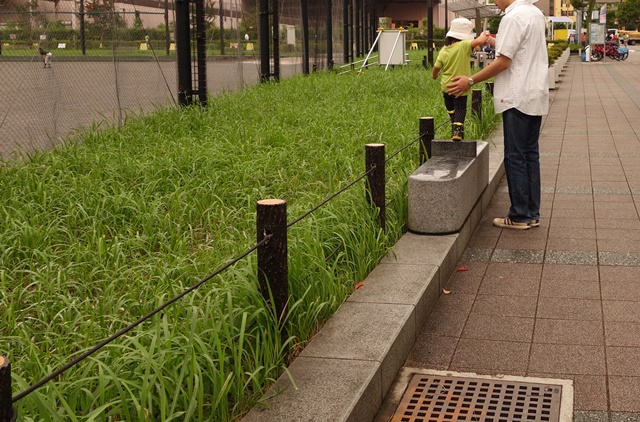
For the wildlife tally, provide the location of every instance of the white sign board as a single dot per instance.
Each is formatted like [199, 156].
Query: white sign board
[291, 35]
[596, 32]
[392, 47]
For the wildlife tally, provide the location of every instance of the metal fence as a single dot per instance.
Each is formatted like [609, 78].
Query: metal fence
[111, 60]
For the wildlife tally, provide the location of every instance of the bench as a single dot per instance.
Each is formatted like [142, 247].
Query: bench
[444, 190]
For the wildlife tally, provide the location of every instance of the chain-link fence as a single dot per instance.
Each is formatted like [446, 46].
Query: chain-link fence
[111, 59]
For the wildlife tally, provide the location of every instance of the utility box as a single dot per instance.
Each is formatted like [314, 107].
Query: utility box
[392, 47]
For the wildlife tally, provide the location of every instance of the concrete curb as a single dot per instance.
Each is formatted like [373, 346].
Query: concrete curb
[347, 369]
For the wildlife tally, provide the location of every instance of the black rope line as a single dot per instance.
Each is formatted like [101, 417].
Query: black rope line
[411, 143]
[312, 210]
[125, 330]
[335, 251]
[441, 124]
[402, 149]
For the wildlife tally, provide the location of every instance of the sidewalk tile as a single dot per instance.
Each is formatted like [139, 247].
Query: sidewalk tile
[567, 359]
[625, 334]
[564, 308]
[431, 351]
[506, 306]
[620, 274]
[486, 356]
[621, 311]
[624, 393]
[499, 328]
[570, 272]
[623, 361]
[568, 331]
[573, 289]
[621, 290]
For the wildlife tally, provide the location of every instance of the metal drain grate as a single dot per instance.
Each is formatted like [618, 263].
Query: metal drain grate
[434, 398]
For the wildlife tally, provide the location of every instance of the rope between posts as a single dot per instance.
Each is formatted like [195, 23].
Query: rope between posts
[402, 149]
[312, 210]
[133, 325]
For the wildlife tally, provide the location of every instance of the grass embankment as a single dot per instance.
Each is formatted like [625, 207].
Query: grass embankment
[95, 235]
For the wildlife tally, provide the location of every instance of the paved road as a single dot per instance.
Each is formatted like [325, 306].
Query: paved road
[41, 106]
[562, 300]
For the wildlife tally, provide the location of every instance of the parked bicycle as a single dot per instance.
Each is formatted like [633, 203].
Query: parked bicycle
[613, 50]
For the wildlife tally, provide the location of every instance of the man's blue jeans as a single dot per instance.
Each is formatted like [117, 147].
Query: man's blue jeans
[522, 164]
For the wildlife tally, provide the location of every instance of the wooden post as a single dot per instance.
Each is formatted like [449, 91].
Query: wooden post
[201, 52]
[304, 12]
[273, 271]
[427, 133]
[329, 25]
[183, 52]
[489, 86]
[476, 102]
[374, 158]
[7, 412]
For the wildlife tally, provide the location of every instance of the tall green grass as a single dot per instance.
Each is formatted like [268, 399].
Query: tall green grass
[107, 227]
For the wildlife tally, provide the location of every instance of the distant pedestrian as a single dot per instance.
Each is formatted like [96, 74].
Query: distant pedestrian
[46, 57]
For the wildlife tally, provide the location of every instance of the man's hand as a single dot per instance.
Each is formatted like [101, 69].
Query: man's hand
[458, 85]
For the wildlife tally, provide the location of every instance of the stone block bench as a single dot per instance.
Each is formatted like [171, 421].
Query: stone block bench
[444, 190]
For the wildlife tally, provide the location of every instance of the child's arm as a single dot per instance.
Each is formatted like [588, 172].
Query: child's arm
[483, 38]
[435, 73]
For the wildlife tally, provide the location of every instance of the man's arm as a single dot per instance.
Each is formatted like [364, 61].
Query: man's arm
[460, 84]
[435, 73]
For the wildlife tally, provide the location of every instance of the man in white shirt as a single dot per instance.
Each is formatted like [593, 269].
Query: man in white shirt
[521, 94]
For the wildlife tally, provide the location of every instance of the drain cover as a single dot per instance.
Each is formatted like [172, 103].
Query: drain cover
[435, 398]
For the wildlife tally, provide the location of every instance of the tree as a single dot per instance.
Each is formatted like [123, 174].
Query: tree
[104, 19]
[137, 22]
[493, 24]
[580, 5]
[629, 14]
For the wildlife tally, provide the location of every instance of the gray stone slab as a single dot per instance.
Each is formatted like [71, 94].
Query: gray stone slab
[447, 147]
[625, 259]
[465, 234]
[625, 417]
[415, 285]
[325, 390]
[378, 332]
[571, 258]
[519, 256]
[612, 191]
[477, 254]
[576, 190]
[585, 416]
[444, 190]
[420, 249]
